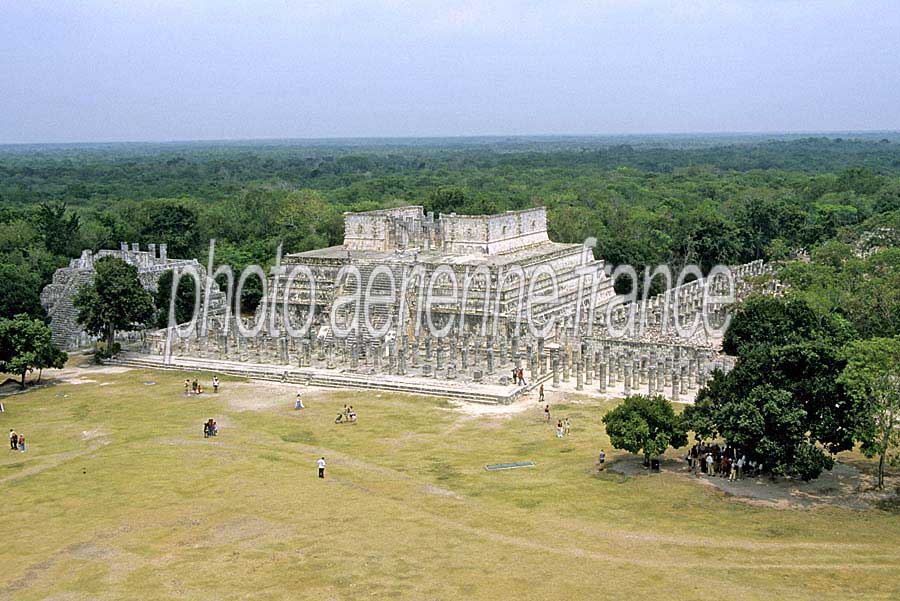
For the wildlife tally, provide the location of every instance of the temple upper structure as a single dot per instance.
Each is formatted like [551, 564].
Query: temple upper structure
[410, 227]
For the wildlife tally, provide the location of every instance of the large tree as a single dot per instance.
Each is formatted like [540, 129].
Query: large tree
[645, 425]
[115, 300]
[783, 403]
[872, 376]
[25, 345]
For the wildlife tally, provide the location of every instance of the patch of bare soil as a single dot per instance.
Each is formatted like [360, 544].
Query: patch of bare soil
[260, 395]
[844, 486]
[441, 492]
[484, 409]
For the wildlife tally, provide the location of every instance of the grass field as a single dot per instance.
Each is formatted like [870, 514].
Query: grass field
[119, 497]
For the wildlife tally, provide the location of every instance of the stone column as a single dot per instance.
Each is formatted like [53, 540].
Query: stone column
[601, 377]
[439, 357]
[354, 357]
[490, 360]
[554, 358]
[579, 375]
[588, 368]
[540, 357]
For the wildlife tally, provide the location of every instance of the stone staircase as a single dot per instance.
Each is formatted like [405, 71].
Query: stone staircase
[57, 297]
[328, 378]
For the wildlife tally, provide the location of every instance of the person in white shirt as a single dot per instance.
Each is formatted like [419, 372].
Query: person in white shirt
[321, 464]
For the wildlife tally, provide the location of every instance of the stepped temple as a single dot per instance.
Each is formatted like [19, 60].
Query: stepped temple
[446, 305]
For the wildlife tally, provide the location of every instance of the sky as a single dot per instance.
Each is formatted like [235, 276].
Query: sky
[142, 70]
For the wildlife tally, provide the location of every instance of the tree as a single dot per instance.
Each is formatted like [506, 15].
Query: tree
[777, 321]
[116, 300]
[305, 221]
[446, 200]
[59, 232]
[872, 376]
[25, 345]
[19, 292]
[645, 424]
[184, 299]
[175, 225]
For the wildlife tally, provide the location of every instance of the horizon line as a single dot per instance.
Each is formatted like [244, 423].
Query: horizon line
[459, 137]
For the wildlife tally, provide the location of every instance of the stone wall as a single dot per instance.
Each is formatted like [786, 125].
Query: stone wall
[57, 296]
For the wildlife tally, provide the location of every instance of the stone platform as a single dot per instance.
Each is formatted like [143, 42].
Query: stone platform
[333, 378]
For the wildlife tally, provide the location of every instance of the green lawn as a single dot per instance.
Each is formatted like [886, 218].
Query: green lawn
[120, 497]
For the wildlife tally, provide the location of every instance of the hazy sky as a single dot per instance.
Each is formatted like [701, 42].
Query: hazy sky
[107, 70]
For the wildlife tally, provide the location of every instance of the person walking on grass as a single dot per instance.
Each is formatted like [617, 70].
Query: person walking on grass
[187, 387]
[710, 463]
[541, 394]
[321, 464]
[13, 440]
[215, 384]
[566, 426]
[559, 428]
[547, 413]
[21, 443]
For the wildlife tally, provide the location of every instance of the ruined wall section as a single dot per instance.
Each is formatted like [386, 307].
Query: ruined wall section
[57, 297]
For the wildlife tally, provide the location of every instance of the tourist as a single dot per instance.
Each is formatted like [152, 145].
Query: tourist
[566, 426]
[215, 428]
[559, 429]
[199, 388]
[298, 404]
[21, 443]
[515, 376]
[521, 377]
[13, 440]
[710, 462]
[187, 387]
[215, 384]
[321, 464]
[601, 461]
[740, 467]
[547, 412]
[541, 394]
[194, 386]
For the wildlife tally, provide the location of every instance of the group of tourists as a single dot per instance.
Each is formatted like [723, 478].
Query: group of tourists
[16, 441]
[562, 427]
[195, 387]
[347, 416]
[518, 376]
[210, 428]
[721, 460]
